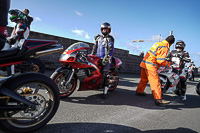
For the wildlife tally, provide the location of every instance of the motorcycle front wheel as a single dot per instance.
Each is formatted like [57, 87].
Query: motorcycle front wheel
[60, 79]
[36, 88]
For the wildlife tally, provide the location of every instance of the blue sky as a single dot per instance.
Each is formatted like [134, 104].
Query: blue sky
[129, 19]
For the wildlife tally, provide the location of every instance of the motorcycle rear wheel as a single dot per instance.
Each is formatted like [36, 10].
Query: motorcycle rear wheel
[31, 65]
[48, 99]
[113, 86]
[60, 79]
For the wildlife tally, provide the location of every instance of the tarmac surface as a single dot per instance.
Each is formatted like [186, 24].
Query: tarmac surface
[124, 112]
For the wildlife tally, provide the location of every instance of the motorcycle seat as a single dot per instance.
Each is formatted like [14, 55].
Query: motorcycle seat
[10, 52]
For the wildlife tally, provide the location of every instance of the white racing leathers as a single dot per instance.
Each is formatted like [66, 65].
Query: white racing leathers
[20, 31]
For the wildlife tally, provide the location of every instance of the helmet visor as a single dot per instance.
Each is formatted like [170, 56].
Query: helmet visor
[105, 31]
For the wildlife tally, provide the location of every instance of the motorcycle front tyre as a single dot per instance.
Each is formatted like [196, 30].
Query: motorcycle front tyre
[60, 79]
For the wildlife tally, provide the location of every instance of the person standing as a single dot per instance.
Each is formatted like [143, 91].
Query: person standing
[141, 54]
[27, 19]
[104, 48]
[180, 57]
[153, 59]
[191, 66]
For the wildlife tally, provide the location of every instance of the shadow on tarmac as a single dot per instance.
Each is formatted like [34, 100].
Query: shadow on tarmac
[103, 128]
[127, 97]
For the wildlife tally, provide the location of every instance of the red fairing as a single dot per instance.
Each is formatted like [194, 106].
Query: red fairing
[71, 58]
[96, 59]
[71, 51]
[87, 83]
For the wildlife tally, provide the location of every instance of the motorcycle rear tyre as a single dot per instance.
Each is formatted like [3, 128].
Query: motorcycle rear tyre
[112, 88]
[20, 80]
[36, 64]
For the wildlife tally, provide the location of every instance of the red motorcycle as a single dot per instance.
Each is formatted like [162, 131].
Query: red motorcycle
[82, 71]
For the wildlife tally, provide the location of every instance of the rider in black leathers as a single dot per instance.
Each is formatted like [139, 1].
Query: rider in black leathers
[104, 47]
[191, 66]
[4, 7]
[27, 18]
[179, 58]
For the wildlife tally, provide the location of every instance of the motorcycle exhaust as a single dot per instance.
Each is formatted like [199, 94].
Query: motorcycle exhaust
[56, 48]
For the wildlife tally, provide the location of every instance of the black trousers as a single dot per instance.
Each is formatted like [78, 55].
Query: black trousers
[182, 81]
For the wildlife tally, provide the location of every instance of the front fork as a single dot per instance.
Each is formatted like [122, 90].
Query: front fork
[69, 77]
[69, 72]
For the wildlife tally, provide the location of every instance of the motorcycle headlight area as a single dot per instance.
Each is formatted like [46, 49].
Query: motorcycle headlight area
[65, 57]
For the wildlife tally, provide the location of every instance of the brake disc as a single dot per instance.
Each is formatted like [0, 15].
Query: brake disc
[30, 112]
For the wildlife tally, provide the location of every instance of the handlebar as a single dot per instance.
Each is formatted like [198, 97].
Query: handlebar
[90, 58]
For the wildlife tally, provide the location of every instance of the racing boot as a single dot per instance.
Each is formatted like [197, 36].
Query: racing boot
[183, 97]
[183, 93]
[161, 102]
[105, 92]
[140, 94]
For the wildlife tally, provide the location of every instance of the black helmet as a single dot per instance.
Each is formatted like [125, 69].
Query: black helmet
[170, 39]
[16, 15]
[180, 44]
[105, 25]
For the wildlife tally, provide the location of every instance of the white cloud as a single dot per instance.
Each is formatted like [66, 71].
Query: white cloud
[37, 19]
[81, 33]
[156, 38]
[131, 47]
[78, 13]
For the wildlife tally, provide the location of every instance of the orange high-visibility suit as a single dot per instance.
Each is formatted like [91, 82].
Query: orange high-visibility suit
[154, 58]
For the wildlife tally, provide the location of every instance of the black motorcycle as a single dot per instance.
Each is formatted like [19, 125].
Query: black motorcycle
[29, 100]
[33, 64]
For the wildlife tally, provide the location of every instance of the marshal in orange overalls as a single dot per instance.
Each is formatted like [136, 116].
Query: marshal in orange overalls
[154, 58]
